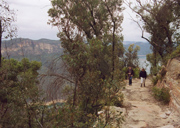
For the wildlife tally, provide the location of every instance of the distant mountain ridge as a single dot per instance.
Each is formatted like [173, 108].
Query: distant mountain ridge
[22, 46]
[25, 47]
[46, 50]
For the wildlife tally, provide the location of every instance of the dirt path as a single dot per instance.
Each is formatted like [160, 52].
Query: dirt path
[143, 111]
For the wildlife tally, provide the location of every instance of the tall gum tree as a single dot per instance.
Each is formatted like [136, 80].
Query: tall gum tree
[160, 20]
[90, 33]
[83, 20]
[7, 29]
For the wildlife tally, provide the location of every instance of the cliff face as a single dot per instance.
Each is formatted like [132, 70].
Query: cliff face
[17, 47]
[172, 81]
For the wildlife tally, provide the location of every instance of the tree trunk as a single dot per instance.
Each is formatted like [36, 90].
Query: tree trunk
[0, 41]
[113, 56]
[113, 49]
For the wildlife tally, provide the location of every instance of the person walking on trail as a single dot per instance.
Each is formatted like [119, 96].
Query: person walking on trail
[142, 76]
[130, 74]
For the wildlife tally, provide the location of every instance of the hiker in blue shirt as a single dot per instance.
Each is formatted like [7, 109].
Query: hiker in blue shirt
[130, 74]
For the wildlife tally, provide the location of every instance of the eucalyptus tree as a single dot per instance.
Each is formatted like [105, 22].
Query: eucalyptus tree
[158, 18]
[7, 17]
[84, 20]
[131, 56]
[90, 33]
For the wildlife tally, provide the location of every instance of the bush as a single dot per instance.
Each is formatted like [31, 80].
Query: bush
[155, 79]
[20, 98]
[161, 94]
[136, 72]
[117, 100]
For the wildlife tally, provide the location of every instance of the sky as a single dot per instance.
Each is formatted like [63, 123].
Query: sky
[32, 18]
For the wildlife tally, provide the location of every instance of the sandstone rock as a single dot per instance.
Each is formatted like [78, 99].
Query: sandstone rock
[141, 124]
[31, 47]
[168, 113]
[117, 110]
[171, 80]
[163, 116]
[127, 104]
[167, 126]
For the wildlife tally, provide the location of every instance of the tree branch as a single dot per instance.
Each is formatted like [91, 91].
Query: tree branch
[57, 75]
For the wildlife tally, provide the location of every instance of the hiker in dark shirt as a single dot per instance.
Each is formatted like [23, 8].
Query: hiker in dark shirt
[130, 74]
[142, 76]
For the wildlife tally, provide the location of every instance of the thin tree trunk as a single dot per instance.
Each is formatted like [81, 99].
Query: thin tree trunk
[113, 52]
[74, 97]
[74, 102]
[0, 41]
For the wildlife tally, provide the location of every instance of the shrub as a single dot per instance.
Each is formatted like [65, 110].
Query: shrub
[117, 100]
[161, 94]
[155, 79]
[136, 72]
[20, 98]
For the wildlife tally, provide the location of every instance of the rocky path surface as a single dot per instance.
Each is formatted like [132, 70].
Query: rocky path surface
[143, 111]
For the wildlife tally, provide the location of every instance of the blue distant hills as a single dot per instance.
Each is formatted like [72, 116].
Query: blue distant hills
[145, 47]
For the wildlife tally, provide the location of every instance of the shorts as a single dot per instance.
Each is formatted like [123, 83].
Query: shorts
[143, 80]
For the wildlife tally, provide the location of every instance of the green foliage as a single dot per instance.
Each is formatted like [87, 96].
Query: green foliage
[64, 116]
[160, 19]
[93, 17]
[117, 100]
[92, 44]
[159, 77]
[90, 65]
[131, 59]
[136, 72]
[161, 94]
[19, 95]
[124, 72]
[176, 53]
[155, 79]
[131, 56]
[155, 64]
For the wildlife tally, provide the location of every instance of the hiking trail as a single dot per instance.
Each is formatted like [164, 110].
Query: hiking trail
[143, 111]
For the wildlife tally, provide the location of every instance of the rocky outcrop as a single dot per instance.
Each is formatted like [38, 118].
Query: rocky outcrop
[171, 80]
[19, 47]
